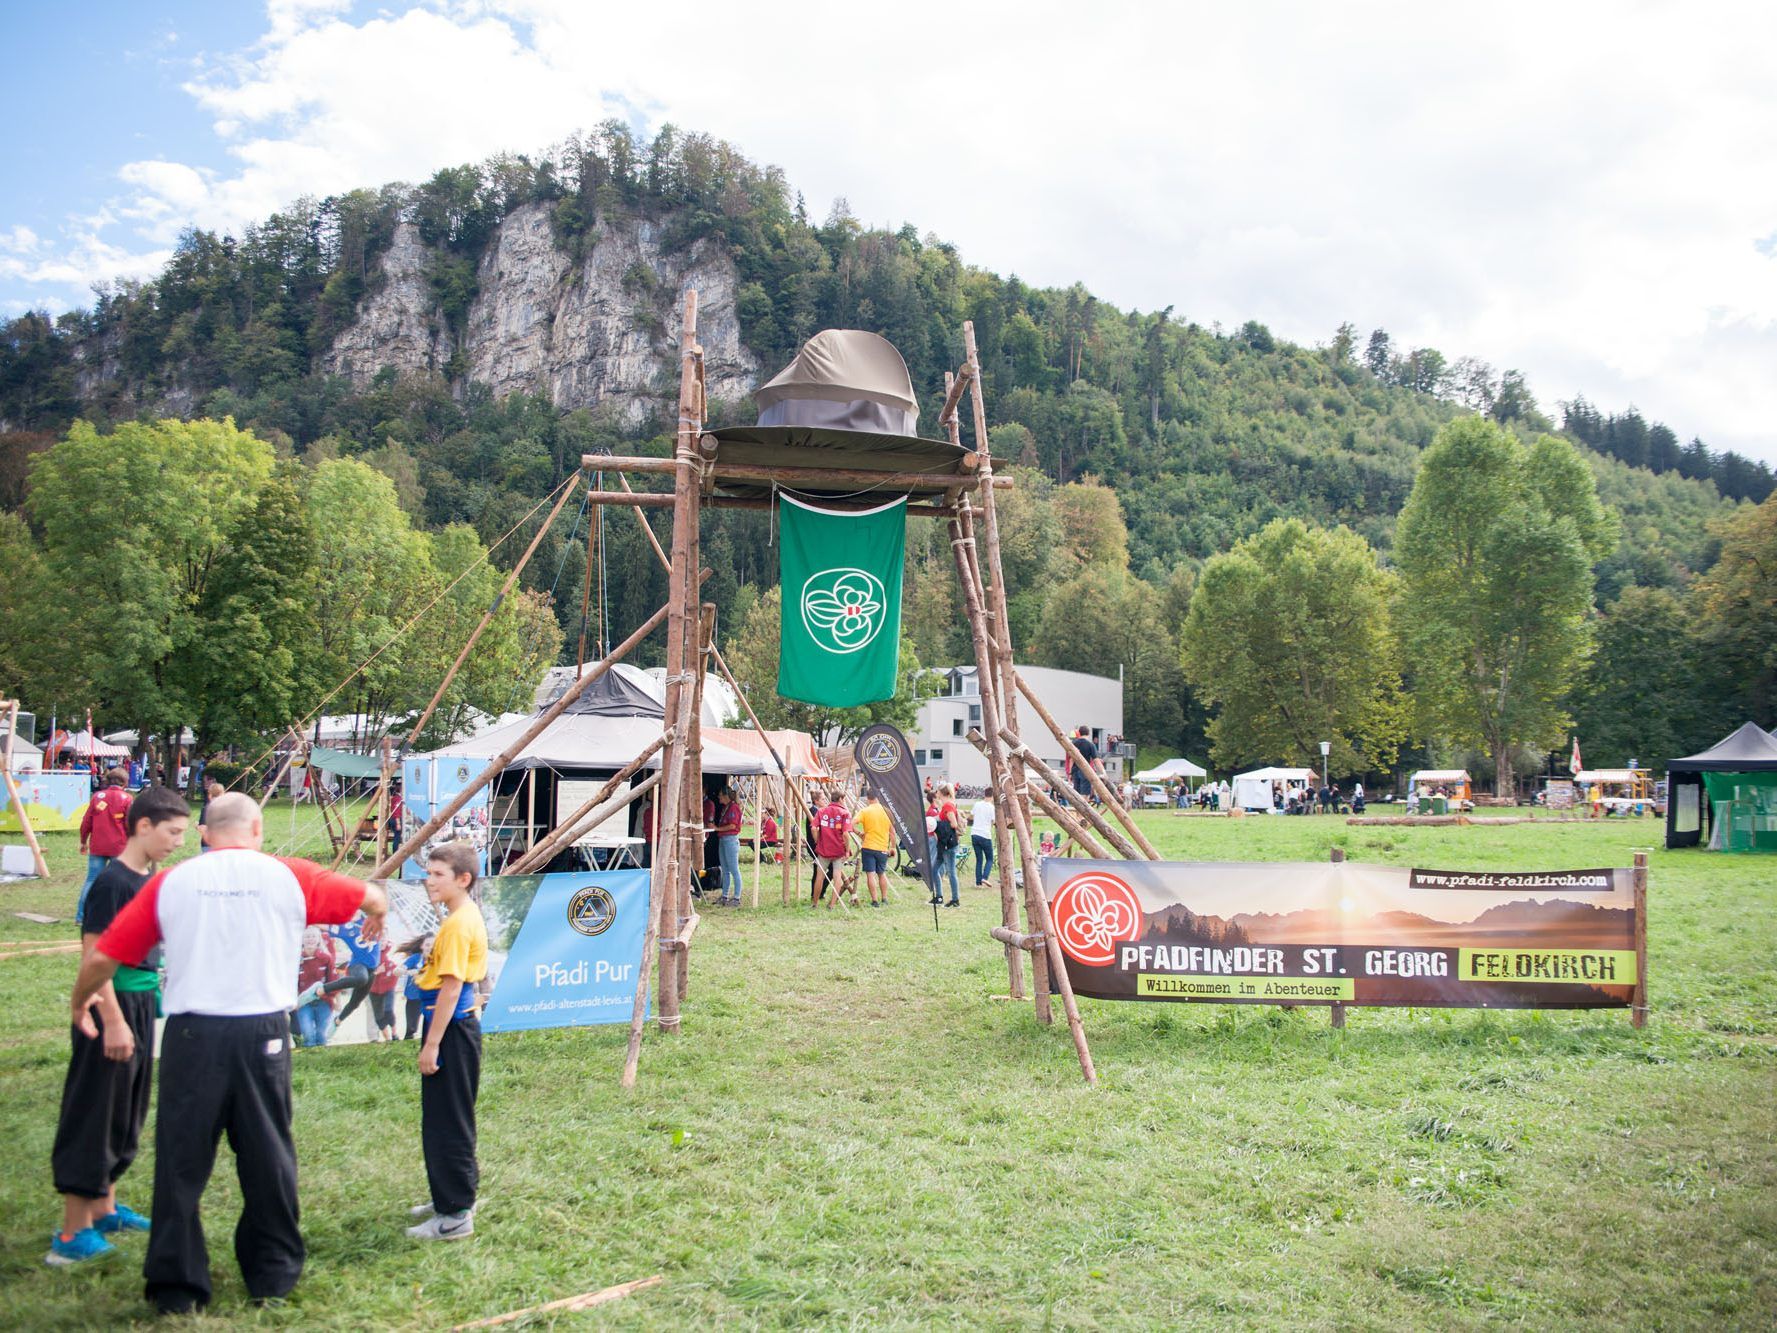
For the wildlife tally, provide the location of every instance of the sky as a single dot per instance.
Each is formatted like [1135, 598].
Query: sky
[1584, 192]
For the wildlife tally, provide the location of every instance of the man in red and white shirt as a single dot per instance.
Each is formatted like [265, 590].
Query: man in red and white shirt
[831, 825]
[230, 927]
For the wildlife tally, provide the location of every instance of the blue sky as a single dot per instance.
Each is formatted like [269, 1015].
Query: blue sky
[1574, 191]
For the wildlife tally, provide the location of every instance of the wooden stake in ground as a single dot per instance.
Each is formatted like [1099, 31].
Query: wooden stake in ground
[1638, 1001]
[1338, 1008]
[1099, 785]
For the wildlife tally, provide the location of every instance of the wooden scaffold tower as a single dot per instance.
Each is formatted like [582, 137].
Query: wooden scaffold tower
[748, 468]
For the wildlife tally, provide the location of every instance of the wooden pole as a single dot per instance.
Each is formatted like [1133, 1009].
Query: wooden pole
[1105, 828]
[1036, 906]
[382, 797]
[998, 770]
[664, 500]
[1638, 1001]
[488, 616]
[785, 832]
[586, 583]
[283, 768]
[551, 843]
[498, 765]
[16, 797]
[568, 834]
[1070, 826]
[1338, 1009]
[694, 761]
[1099, 785]
[897, 482]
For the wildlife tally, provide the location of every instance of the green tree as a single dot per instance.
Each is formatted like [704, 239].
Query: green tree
[1496, 545]
[1736, 607]
[1641, 698]
[752, 654]
[134, 525]
[1289, 639]
[35, 666]
[249, 666]
[1104, 621]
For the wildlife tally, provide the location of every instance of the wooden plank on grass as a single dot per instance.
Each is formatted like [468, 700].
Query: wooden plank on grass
[569, 1304]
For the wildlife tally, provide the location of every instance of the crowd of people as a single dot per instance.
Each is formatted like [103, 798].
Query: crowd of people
[221, 944]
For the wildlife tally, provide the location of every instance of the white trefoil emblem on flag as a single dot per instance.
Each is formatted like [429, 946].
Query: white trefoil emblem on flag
[842, 609]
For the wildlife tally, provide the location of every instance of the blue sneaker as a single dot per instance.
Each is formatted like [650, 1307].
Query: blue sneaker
[84, 1246]
[125, 1218]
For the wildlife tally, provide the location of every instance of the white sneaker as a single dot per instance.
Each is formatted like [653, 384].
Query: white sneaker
[445, 1226]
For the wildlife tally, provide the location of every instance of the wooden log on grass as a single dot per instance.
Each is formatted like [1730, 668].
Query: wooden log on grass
[1029, 943]
[569, 1304]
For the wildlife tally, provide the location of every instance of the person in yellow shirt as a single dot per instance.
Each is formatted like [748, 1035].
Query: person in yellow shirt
[450, 1057]
[877, 836]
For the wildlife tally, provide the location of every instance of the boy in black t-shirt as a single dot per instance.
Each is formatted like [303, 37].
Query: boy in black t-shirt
[105, 1095]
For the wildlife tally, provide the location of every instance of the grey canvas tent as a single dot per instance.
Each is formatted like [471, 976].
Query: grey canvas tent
[1729, 791]
[846, 394]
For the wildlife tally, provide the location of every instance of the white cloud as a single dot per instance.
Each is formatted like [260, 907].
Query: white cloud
[1577, 191]
[19, 240]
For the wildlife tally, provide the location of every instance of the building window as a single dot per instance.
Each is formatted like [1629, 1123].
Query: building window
[934, 755]
[974, 712]
[919, 758]
[956, 726]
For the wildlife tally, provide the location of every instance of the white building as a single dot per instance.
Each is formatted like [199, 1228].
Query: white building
[940, 740]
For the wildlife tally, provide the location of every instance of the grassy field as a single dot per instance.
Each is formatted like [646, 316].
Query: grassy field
[853, 1130]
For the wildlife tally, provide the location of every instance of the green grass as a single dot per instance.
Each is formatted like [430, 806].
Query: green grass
[852, 1130]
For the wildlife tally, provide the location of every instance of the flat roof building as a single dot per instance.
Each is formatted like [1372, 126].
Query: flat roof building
[940, 738]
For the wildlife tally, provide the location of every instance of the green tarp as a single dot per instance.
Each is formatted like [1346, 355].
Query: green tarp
[345, 765]
[840, 628]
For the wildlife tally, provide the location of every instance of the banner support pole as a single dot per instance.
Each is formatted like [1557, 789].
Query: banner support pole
[1638, 1001]
[1338, 1007]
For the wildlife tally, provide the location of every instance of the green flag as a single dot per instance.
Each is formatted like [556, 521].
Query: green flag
[840, 641]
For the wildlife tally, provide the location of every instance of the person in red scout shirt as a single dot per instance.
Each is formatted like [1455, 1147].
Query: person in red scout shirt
[831, 824]
[231, 926]
[103, 831]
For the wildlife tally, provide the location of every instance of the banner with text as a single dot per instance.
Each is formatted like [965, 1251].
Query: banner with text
[562, 951]
[1316, 933]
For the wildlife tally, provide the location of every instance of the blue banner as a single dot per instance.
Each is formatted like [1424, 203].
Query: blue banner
[577, 955]
[54, 801]
[427, 784]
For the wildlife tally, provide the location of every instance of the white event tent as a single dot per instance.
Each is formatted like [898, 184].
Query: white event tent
[1252, 791]
[1171, 769]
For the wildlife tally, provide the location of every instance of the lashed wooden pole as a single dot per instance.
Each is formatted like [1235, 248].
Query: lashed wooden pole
[1099, 785]
[498, 764]
[548, 846]
[487, 616]
[1069, 825]
[1036, 905]
[1104, 827]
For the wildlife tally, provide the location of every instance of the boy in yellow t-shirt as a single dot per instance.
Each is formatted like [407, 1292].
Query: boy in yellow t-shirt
[877, 836]
[450, 1057]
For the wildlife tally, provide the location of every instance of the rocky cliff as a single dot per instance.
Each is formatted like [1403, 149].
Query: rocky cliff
[602, 331]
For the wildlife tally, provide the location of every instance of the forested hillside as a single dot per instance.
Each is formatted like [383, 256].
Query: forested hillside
[1202, 435]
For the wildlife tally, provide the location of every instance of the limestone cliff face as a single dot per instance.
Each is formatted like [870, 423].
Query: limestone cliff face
[603, 331]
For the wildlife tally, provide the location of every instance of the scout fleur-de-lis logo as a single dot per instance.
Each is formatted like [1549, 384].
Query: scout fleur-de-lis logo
[842, 609]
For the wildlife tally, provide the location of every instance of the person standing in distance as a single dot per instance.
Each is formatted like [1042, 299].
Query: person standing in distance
[876, 833]
[104, 829]
[981, 838]
[230, 925]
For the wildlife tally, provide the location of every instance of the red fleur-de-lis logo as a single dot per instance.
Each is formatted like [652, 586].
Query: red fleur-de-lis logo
[1094, 913]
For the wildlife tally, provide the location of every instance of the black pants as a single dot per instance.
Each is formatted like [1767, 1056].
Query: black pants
[356, 980]
[104, 1103]
[382, 1010]
[447, 1117]
[413, 1020]
[224, 1075]
[983, 857]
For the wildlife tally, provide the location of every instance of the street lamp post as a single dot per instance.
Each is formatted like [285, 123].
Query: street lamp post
[1326, 778]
